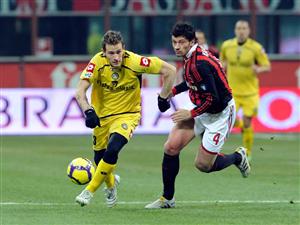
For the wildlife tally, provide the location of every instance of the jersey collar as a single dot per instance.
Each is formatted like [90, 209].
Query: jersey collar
[190, 52]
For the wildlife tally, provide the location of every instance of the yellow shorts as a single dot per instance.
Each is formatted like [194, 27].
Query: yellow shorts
[249, 104]
[123, 124]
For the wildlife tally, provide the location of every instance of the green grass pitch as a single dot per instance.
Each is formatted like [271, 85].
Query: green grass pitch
[35, 189]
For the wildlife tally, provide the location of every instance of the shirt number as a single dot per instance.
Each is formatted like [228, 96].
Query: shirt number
[216, 138]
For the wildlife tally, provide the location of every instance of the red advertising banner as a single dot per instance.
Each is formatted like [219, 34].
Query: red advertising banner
[66, 74]
[279, 110]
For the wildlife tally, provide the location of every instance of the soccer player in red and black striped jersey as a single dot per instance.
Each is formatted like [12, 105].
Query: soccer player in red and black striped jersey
[212, 118]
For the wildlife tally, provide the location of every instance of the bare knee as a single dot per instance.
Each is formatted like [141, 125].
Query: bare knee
[171, 149]
[203, 167]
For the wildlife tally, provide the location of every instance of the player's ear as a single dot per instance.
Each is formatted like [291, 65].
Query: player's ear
[192, 42]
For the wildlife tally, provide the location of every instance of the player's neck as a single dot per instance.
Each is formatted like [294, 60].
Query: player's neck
[241, 42]
[190, 52]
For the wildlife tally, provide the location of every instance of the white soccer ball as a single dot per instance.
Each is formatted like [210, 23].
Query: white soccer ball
[80, 171]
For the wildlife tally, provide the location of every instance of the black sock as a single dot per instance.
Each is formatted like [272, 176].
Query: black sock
[223, 161]
[98, 155]
[170, 169]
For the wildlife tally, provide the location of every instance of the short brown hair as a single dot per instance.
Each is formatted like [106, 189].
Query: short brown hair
[112, 38]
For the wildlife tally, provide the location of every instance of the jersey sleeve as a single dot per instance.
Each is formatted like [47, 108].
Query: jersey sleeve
[90, 71]
[149, 64]
[261, 57]
[222, 52]
[208, 89]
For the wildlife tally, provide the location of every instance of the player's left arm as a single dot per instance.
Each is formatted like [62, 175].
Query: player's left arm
[168, 73]
[263, 63]
[223, 56]
[208, 90]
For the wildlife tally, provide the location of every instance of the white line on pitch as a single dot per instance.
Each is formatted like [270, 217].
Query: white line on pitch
[180, 202]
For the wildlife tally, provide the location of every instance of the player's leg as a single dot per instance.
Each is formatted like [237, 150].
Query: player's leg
[179, 137]
[98, 155]
[108, 163]
[100, 141]
[121, 132]
[250, 109]
[238, 121]
[209, 160]
[217, 129]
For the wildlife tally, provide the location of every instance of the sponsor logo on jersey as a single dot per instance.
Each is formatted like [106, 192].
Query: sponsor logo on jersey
[124, 126]
[88, 75]
[145, 62]
[193, 87]
[115, 76]
[114, 87]
[90, 67]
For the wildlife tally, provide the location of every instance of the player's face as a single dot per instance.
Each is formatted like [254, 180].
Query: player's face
[181, 45]
[242, 31]
[114, 53]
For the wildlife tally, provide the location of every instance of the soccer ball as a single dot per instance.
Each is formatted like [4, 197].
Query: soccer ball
[80, 171]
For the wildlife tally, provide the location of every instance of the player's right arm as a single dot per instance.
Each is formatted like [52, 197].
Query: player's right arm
[83, 86]
[223, 55]
[91, 118]
[86, 79]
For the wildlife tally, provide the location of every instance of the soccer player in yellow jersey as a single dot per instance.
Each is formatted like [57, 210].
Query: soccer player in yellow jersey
[244, 59]
[115, 75]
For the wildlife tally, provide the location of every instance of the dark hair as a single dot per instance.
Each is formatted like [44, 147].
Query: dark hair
[112, 37]
[184, 29]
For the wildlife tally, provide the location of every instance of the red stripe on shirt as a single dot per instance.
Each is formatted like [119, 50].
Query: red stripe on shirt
[196, 74]
[217, 67]
[197, 111]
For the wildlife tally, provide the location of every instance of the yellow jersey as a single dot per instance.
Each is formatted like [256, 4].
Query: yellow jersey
[239, 60]
[118, 91]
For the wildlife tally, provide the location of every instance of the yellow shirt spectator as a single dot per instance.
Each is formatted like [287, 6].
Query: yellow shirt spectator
[244, 59]
[239, 61]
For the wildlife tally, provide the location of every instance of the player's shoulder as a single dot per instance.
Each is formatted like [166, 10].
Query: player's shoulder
[254, 44]
[99, 60]
[131, 58]
[135, 61]
[228, 44]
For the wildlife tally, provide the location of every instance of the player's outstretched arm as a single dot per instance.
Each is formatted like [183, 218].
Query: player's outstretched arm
[81, 97]
[168, 72]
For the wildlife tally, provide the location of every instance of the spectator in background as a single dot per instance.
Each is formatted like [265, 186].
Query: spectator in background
[93, 40]
[244, 59]
[201, 39]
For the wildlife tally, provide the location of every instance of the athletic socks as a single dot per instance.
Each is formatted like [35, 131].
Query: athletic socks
[170, 169]
[222, 161]
[248, 139]
[103, 170]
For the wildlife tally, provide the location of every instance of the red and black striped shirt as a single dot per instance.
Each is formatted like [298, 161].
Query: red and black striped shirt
[206, 81]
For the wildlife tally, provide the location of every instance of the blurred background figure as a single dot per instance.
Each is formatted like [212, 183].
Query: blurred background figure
[244, 59]
[94, 40]
[201, 39]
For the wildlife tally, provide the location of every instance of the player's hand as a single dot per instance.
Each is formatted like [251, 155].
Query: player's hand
[257, 69]
[180, 115]
[91, 118]
[163, 103]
